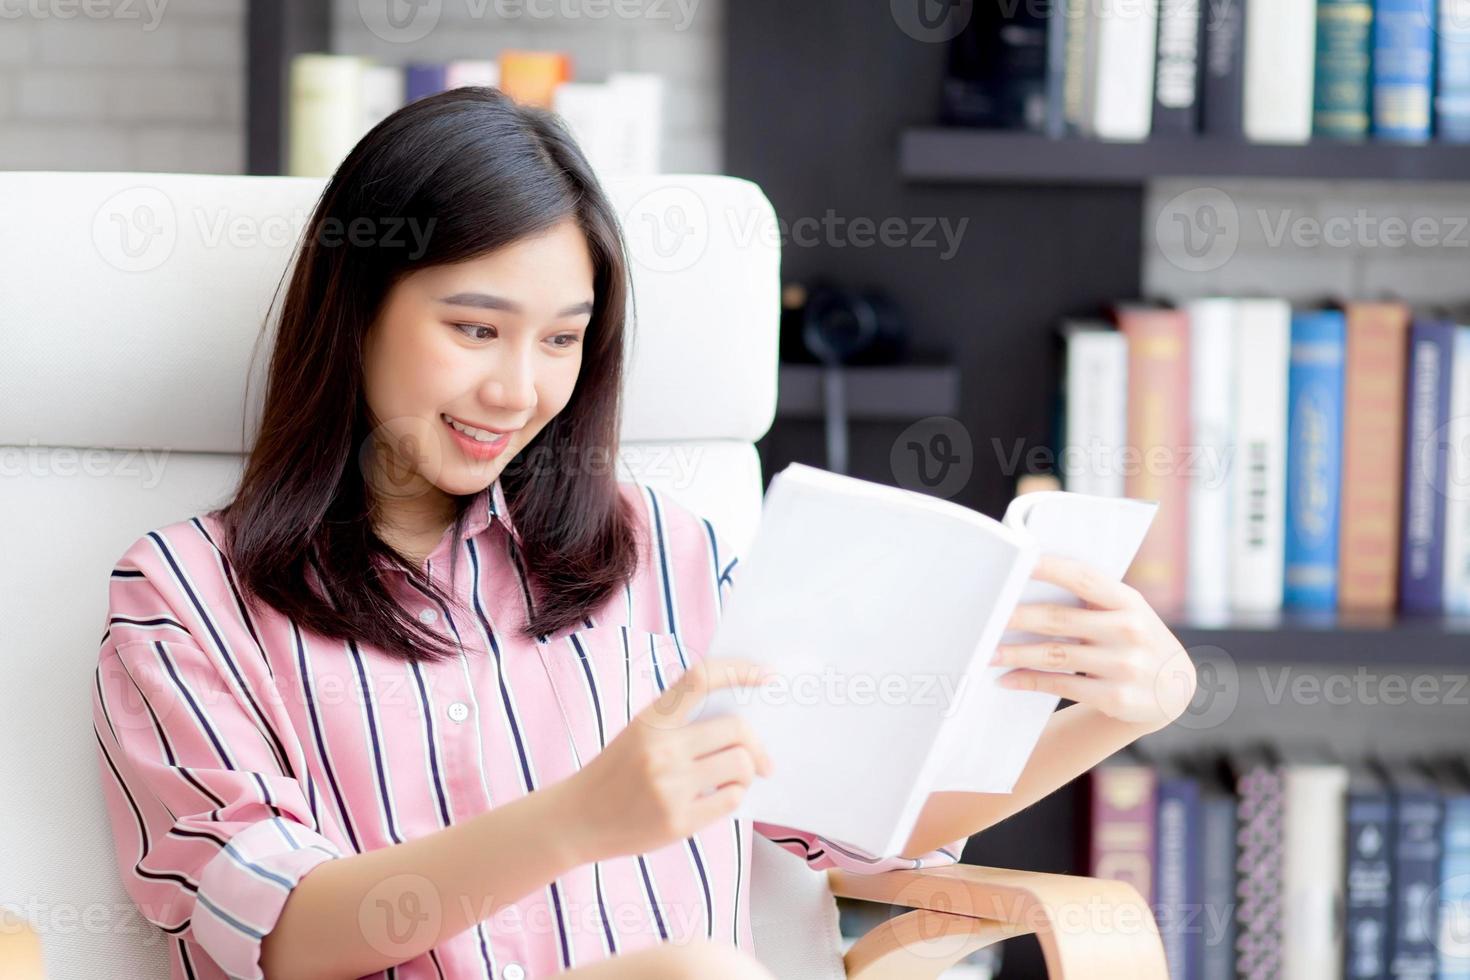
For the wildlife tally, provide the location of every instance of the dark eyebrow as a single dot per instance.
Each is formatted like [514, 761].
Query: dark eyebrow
[485, 301]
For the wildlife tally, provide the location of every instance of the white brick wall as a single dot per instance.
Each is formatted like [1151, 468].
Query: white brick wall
[128, 90]
[1308, 240]
[152, 86]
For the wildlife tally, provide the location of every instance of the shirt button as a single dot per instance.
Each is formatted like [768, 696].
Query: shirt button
[427, 616]
[459, 711]
[513, 971]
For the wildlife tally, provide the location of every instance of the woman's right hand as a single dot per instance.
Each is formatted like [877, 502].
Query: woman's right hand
[651, 784]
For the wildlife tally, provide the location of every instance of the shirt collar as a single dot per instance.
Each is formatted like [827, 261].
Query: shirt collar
[490, 505]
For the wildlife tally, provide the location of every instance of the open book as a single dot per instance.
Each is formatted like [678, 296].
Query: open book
[878, 608]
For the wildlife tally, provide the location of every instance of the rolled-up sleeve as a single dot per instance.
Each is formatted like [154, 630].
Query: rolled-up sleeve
[820, 852]
[211, 831]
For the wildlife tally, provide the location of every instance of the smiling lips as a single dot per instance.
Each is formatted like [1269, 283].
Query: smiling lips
[478, 443]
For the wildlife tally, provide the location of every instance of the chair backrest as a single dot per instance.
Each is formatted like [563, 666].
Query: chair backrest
[132, 305]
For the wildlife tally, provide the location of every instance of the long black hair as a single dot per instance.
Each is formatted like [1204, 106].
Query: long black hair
[481, 171]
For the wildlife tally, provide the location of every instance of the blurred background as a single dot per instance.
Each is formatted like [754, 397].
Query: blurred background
[985, 209]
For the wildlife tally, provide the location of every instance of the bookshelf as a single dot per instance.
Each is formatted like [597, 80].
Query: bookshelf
[1306, 640]
[938, 154]
[1055, 230]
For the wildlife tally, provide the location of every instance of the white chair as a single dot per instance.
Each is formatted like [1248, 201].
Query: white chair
[131, 305]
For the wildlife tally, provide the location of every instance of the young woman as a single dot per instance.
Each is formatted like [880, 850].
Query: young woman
[421, 700]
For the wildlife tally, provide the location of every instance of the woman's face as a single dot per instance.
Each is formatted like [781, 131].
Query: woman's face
[494, 342]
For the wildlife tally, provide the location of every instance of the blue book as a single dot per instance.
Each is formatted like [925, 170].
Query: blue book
[1452, 96]
[1418, 815]
[1217, 826]
[1314, 458]
[1454, 871]
[1403, 69]
[1177, 871]
[1426, 456]
[1368, 891]
[424, 79]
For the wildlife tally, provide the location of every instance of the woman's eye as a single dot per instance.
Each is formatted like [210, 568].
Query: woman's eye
[473, 326]
[560, 341]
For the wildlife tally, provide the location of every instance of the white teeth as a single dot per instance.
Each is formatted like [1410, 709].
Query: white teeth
[479, 435]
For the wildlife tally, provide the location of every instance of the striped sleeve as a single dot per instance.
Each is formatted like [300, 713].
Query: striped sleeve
[212, 830]
[820, 852]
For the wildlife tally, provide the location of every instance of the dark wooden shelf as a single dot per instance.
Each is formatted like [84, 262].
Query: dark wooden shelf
[894, 392]
[964, 155]
[1306, 639]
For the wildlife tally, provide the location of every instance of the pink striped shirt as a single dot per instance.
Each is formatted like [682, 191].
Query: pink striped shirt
[238, 751]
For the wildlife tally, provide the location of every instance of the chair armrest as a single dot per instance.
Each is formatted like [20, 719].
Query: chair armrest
[1093, 928]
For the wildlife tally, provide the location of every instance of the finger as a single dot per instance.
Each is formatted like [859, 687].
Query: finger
[707, 809]
[1079, 657]
[732, 765]
[714, 734]
[1084, 580]
[1073, 687]
[684, 696]
[1055, 619]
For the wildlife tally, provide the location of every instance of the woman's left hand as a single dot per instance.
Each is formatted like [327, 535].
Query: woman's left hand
[1126, 663]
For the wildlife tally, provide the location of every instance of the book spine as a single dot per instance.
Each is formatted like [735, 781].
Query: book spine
[1368, 885]
[1418, 819]
[1454, 897]
[1211, 397]
[1344, 69]
[1058, 26]
[1176, 874]
[1176, 73]
[1081, 31]
[1096, 411]
[326, 112]
[1158, 425]
[1123, 76]
[1372, 461]
[1403, 70]
[1222, 104]
[1312, 870]
[1258, 476]
[1421, 562]
[1121, 842]
[1314, 460]
[1281, 40]
[1217, 888]
[1452, 95]
[424, 79]
[1259, 870]
[1457, 483]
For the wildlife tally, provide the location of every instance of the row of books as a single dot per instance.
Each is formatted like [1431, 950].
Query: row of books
[1291, 864]
[1310, 460]
[1270, 71]
[336, 98]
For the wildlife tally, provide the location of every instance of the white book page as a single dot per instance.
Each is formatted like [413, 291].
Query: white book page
[986, 747]
[867, 603]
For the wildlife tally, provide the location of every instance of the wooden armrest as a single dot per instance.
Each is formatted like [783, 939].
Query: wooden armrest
[20, 949]
[1092, 928]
